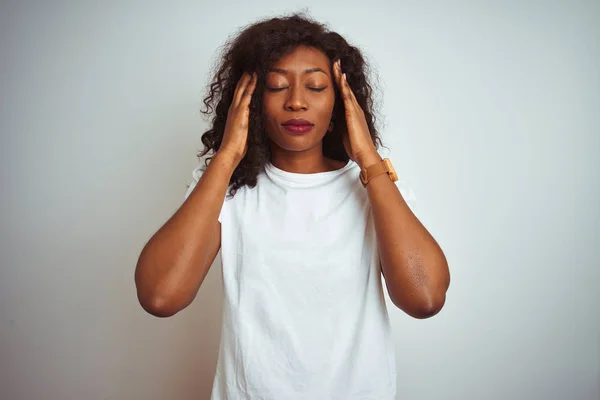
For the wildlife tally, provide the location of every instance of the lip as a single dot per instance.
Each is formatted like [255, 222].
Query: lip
[297, 122]
[298, 129]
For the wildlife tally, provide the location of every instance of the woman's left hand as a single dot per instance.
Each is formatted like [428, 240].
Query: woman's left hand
[357, 139]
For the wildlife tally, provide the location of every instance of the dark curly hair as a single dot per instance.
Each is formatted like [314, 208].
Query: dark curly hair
[255, 49]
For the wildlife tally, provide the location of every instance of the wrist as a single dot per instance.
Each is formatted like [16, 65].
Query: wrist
[368, 159]
[227, 159]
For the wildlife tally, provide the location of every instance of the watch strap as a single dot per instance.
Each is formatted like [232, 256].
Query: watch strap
[382, 167]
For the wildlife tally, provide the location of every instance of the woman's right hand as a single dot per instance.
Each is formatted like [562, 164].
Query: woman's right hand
[235, 138]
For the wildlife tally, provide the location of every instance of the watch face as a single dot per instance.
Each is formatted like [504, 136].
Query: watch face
[391, 170]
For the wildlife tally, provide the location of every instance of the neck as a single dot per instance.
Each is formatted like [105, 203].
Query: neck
[303, 162]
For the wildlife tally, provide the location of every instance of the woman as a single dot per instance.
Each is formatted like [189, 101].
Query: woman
[312, 220]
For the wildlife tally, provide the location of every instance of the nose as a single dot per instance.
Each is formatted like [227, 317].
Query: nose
[295, 100]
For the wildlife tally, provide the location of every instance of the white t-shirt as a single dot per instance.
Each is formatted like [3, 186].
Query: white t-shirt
[304, 314]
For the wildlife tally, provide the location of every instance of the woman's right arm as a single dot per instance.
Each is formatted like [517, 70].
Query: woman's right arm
[174, 262]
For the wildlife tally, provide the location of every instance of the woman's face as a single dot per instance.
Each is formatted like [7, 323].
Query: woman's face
[299, 85]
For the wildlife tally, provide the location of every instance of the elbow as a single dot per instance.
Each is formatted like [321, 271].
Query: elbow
[157, 306]
[431, 300]
[424, 306]
[156, 302]
[429, 308]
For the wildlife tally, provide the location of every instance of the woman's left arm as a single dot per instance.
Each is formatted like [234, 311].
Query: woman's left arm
[415, 268]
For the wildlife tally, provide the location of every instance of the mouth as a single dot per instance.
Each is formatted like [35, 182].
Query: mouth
[297, 126]
[298, 129]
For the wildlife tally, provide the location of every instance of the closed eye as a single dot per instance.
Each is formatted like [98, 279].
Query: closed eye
[280, 89]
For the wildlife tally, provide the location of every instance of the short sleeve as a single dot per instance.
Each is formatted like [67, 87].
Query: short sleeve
[196, 174]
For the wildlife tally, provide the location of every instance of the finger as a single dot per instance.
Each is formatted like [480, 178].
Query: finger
[349, 90]
[337, 74]
[240, 88]
[344, 88]
[247, 94]
[343, 81]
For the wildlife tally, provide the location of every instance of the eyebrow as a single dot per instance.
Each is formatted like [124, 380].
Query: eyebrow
[306, 71]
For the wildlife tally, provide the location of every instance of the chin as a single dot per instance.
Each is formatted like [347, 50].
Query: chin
[291, 142]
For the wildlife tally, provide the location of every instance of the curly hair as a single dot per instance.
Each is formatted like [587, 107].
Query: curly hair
[255, 49]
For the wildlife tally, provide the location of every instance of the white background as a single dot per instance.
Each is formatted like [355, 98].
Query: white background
[491, 112]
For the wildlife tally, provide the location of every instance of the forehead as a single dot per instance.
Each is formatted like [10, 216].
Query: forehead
[303, 57]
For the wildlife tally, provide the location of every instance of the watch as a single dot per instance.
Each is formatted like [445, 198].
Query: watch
[382, 167]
